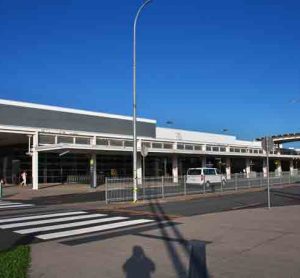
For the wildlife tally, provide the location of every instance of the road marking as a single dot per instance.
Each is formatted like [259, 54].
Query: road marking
[94, 229]
[16, 206]
[9, 203]
[40, 222]
[15, 219]
[70, 225]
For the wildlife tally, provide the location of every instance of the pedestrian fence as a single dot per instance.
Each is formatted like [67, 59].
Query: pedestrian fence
[122, 189]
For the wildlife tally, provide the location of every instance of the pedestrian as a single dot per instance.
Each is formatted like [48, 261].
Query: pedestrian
[24, 176]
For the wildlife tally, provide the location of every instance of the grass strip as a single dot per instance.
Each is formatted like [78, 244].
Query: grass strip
[14, 263]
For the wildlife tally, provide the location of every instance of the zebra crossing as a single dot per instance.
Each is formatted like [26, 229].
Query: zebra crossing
[57, 225]
[13, 205]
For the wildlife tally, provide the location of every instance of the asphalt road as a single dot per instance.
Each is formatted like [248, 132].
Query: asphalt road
[279, 197]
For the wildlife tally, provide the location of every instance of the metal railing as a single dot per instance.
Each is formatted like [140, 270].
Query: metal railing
[121, 189]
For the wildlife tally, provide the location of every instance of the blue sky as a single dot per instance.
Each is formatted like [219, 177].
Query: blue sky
[204, 65]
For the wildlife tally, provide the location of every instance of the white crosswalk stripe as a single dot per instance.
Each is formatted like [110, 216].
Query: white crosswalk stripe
[40, 222]
[70, 225]
[16, 206]
[76, 223]
[11, 205]
[94, 229]
[15, 219]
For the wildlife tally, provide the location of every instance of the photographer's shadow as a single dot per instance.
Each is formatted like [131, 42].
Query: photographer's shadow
[138, 265]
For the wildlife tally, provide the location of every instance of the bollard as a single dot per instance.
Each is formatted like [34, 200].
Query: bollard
[0, 189]
[197, 266]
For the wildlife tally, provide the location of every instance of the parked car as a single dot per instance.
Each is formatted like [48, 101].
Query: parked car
[208, 177]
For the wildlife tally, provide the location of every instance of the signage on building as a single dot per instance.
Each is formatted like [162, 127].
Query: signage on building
[267, 144]
[144, 150]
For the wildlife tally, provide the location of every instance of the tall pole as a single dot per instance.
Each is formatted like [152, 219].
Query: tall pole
[268, 173]
[134, 103]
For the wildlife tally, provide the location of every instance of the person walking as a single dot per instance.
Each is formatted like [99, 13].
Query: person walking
[24, 178]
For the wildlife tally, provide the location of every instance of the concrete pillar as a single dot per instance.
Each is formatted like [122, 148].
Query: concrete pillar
[265, 169]
[278, 168]
[175, 168]
[165, 166]
[139, 169]
[248, 167]
[35, 163]
[204, 161]
[228, 167]
[93, 169]
[292, 167]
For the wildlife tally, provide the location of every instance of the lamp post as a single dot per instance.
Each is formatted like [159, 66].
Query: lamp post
[134, 103]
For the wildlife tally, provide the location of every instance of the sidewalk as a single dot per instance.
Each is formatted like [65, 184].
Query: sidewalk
[245, 243]
[26, 193]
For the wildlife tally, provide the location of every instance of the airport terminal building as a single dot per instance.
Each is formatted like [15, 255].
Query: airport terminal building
[62, 145]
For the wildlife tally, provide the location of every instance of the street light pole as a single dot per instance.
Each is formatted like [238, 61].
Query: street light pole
[134, 103]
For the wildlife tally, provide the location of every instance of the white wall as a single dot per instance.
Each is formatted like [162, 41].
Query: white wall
[201, 137]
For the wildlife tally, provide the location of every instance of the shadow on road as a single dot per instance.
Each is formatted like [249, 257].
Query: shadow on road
[138, 265]
[70, 198]
[171, 237]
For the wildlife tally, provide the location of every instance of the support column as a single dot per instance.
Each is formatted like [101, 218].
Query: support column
[35, 163]
[248, 167]
[203, 161]
[265, 169]
[139, 169]
[278, 168]
[175, 168]
[93, 170]
[228, 168]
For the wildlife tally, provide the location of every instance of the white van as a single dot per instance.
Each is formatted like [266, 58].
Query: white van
[204, 176]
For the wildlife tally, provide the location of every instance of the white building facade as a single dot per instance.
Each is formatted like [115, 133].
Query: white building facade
[62, 145]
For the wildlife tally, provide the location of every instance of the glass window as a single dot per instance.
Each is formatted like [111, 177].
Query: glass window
[180, 146]
[198, 147]
[208, 148]
[215, 149]
[118, 143]
[205, 171]
[82, 140]
[128, 143]
[103, 142]
[65, 139]
[222, 149]
[147, 144]
[156, 145]
[194, 172]
[47, 139]
[188, 147]
[168, 146]
[212, 172]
